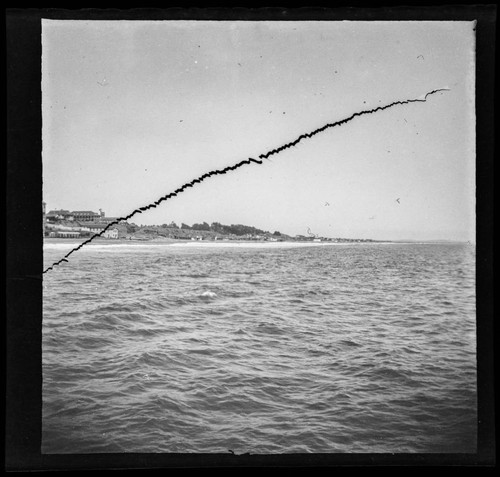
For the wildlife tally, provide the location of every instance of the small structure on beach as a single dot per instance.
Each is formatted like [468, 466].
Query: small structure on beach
[65, 234]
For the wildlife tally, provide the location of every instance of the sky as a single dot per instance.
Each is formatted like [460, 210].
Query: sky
[132, 110]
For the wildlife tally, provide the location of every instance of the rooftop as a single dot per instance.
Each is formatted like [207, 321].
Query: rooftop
[58, 212]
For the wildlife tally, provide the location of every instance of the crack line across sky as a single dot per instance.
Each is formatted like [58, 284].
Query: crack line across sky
[242, 163]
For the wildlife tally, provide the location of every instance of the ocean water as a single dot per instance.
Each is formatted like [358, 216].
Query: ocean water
[262, 348]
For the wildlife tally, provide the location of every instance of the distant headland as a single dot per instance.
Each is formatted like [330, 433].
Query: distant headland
[63, 223]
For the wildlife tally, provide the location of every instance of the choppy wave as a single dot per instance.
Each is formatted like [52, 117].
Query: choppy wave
[358, 348]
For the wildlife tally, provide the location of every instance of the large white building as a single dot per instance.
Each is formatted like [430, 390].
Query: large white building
[111, 233]
[86, 215]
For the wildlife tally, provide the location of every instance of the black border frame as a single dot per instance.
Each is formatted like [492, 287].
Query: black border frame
[24, 243]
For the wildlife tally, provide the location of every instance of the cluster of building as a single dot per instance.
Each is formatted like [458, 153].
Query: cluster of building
[63, 223]
[78, 223]
[248, 237]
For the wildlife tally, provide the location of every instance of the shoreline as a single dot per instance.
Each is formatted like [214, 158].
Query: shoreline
[71, 243]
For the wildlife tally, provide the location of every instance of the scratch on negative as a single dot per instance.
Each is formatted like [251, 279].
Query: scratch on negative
[241, 164]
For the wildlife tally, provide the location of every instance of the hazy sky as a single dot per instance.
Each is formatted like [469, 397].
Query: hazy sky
[134, 109]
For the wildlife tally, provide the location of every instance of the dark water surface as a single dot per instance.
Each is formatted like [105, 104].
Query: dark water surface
[260, 349]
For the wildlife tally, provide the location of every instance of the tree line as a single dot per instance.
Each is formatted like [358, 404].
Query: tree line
[233, 229]
[217, 227]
